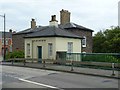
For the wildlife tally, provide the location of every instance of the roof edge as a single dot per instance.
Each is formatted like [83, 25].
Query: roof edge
[54, 36]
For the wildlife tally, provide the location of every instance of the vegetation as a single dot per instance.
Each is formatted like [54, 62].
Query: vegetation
[15, 54]
[107, 41]
[101, 58]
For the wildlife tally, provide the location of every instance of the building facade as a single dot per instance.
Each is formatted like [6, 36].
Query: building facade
[48, 47]
[51, 40]
[65, 23]
[79, 30]
[18, 38]
[8, 42]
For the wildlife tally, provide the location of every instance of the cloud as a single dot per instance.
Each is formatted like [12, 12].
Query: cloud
[94, 14]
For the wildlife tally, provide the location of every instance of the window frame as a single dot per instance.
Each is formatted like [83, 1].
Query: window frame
[28, 49]
[84, 43]
[70, 47]
[50, 49]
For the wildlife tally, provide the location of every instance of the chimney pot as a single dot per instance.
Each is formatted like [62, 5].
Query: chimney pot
[53, 21]
[53, 18]
[33, 19]
[10, 30]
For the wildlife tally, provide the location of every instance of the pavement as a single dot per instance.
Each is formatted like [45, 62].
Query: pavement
[77, 70]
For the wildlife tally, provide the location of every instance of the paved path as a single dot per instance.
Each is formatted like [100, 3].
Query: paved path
[79, 70]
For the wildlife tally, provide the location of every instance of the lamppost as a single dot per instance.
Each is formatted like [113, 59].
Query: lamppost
[4, 37]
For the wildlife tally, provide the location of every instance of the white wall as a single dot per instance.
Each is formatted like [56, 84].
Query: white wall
[35, 42]
[59, 44]
[62, 44]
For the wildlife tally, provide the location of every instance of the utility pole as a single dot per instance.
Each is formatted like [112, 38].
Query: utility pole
[4, 36]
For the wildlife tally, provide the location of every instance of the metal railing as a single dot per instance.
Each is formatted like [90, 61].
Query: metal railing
[46, 63]
[107, 61]
[92, 60]
[91, 57]
[63, 62]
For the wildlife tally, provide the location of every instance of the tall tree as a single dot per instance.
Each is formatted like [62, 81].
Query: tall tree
[107, 41]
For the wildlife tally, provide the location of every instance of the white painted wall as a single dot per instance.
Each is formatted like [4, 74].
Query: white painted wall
[35, 42]
[59, 44]
[62, 44]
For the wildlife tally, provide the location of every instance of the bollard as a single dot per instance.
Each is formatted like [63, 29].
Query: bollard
[24, 62]
[113, 69]
[72, 66]
[12, 62]
[32, 60]
[43, 63]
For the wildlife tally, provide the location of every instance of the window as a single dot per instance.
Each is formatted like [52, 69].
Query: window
[6, 42]
[70, 47]
[84, 42]
[10, 48]
[28, 49]
[50, 49]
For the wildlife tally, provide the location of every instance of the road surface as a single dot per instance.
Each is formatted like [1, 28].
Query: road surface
[21, 77]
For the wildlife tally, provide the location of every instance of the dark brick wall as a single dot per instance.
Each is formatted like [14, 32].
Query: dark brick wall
[88, 35]
[18, 42]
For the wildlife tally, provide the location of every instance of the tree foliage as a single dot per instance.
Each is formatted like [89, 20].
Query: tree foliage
[107, 41]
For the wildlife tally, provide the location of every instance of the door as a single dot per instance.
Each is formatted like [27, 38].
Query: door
[40, 54]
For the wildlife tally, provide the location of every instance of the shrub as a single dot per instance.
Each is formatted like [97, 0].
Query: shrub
[15, 54]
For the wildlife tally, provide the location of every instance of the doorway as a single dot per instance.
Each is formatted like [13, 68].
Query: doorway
[40, 54]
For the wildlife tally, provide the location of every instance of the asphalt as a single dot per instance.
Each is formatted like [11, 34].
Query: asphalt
[23, 77]
[77, 70]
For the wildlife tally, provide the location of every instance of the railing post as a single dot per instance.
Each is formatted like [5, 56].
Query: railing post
[72, 66]
[24, 62]
[113, 69]
[12, 61]
[32, 60]
[43, 63]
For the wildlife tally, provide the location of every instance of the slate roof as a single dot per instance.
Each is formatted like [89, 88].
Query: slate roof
[7, 34]
[30, 30]
[52, 31]
[67, 26]
[75, 26]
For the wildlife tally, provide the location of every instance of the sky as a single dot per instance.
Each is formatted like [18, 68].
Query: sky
[94, 14]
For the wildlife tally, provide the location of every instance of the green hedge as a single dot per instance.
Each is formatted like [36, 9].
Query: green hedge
[15, 54]
[101, 58]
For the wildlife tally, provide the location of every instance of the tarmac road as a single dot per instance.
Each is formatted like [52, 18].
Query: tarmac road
[21, 77]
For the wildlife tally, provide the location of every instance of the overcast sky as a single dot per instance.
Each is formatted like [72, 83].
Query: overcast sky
[93, 14]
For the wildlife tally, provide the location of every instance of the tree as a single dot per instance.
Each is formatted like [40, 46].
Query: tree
[107, 41]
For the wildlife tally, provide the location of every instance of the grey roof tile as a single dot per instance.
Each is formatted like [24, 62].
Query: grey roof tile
[7, 34]
[73, 25]
[52, 31]
[30, 30]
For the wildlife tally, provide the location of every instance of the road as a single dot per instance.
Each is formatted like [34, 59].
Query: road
[21, 77]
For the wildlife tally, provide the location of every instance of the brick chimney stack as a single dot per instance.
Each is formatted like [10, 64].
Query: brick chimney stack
[33, 23]
[64, 16]
[53, 21]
